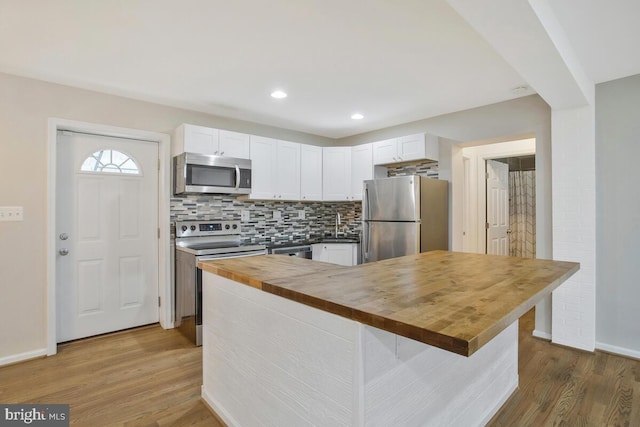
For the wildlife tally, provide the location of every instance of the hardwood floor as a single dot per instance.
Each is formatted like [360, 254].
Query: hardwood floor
[560, 386]
[141, 377]
[152, 377]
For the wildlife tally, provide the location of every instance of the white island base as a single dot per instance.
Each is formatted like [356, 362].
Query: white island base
[270, 361]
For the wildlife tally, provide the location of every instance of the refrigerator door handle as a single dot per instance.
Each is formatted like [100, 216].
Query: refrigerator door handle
[366, 202]
[366, 241]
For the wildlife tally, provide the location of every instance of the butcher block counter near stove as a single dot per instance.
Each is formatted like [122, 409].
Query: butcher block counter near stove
[364, 345]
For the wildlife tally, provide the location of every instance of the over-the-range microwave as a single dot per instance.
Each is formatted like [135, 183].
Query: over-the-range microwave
[203, 173]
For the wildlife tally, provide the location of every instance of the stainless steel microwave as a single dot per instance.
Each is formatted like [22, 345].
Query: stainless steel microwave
[203, 173]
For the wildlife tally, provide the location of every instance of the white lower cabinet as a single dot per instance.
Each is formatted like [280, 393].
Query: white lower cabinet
[335, 253]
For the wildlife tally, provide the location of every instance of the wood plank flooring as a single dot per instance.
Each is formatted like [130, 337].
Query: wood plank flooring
[561, 386]
[140, 377]
[152, 377]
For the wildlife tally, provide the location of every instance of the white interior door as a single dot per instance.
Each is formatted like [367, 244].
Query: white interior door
[497, 208]
[106, 228]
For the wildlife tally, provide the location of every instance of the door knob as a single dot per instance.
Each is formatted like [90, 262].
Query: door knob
[63, 252]
[64, 236]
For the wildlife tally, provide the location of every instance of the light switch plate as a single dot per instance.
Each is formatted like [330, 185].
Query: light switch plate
[245, 215]
[11, 213]
[301, 214]
[277, 215]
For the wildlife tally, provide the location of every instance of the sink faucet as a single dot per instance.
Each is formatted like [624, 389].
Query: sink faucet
[338, 223]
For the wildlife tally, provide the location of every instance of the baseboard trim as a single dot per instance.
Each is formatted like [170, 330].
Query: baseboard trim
[16, 358]
[621, 351]
[217, 410]
[540, 334]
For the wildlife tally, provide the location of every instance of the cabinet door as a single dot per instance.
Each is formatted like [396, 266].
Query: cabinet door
[338, 253]
[317, 253]
[288, 171]
[411, 147]
[361, 168]
[310, 172]
[385, 152]
[336, 173]
[200, 139]
[234, 144]
[263, 168]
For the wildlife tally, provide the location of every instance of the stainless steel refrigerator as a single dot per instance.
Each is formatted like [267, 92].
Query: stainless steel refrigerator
[404, 215]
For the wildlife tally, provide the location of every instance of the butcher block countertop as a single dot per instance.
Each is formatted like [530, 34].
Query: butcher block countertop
[451, 300]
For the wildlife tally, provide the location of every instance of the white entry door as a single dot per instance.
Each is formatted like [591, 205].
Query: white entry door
[106, 228]
[497, 208]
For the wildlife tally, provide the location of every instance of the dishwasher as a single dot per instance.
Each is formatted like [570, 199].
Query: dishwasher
[302, 251]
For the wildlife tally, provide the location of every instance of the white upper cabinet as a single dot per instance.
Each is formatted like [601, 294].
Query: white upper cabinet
[288, 171]
[311, 173]
[361, 168]
[204, 140]
[195, 139]
[263, 167]
[385, 152]
[234, 144]
[336, 173]
[420, 146]
[275, 169]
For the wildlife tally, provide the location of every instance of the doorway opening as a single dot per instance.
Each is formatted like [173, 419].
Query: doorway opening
[521, 207]
[485, 201]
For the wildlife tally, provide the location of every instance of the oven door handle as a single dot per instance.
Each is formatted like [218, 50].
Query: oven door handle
[237, 177]
[229, 256]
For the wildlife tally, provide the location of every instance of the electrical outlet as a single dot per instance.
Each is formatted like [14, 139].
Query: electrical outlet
[277, 215]
[11, 213]
[245, 215]
[301, 214]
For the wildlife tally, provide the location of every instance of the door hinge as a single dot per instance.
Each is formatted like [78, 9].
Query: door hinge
[486, 175]
[158, 164]
[158, 232]
[159, 302]
[486, 225]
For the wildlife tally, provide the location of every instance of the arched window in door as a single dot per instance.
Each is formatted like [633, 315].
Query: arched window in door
[110, 161]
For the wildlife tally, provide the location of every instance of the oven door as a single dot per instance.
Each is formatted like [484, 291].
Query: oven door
[198, 285]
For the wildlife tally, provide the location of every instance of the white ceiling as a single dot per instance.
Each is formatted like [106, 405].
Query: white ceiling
[395, 62]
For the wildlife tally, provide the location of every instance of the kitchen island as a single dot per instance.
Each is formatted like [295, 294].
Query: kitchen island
[427, 339]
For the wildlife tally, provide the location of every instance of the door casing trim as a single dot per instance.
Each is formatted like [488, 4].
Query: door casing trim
[163, 210]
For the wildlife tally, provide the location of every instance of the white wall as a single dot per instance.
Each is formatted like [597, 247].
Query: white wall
[25, 107]
[618, 216]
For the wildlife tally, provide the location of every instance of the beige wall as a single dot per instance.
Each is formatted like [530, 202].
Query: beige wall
[25, 106]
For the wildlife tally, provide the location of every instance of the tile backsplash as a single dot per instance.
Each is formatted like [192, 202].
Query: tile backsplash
[264, 227]
[428, 169]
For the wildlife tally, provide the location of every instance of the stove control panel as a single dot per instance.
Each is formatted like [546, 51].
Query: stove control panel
[206, 228]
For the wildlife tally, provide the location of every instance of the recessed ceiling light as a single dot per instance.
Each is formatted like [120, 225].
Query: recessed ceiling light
[357, 116]
[278, 94]
[521, 90]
